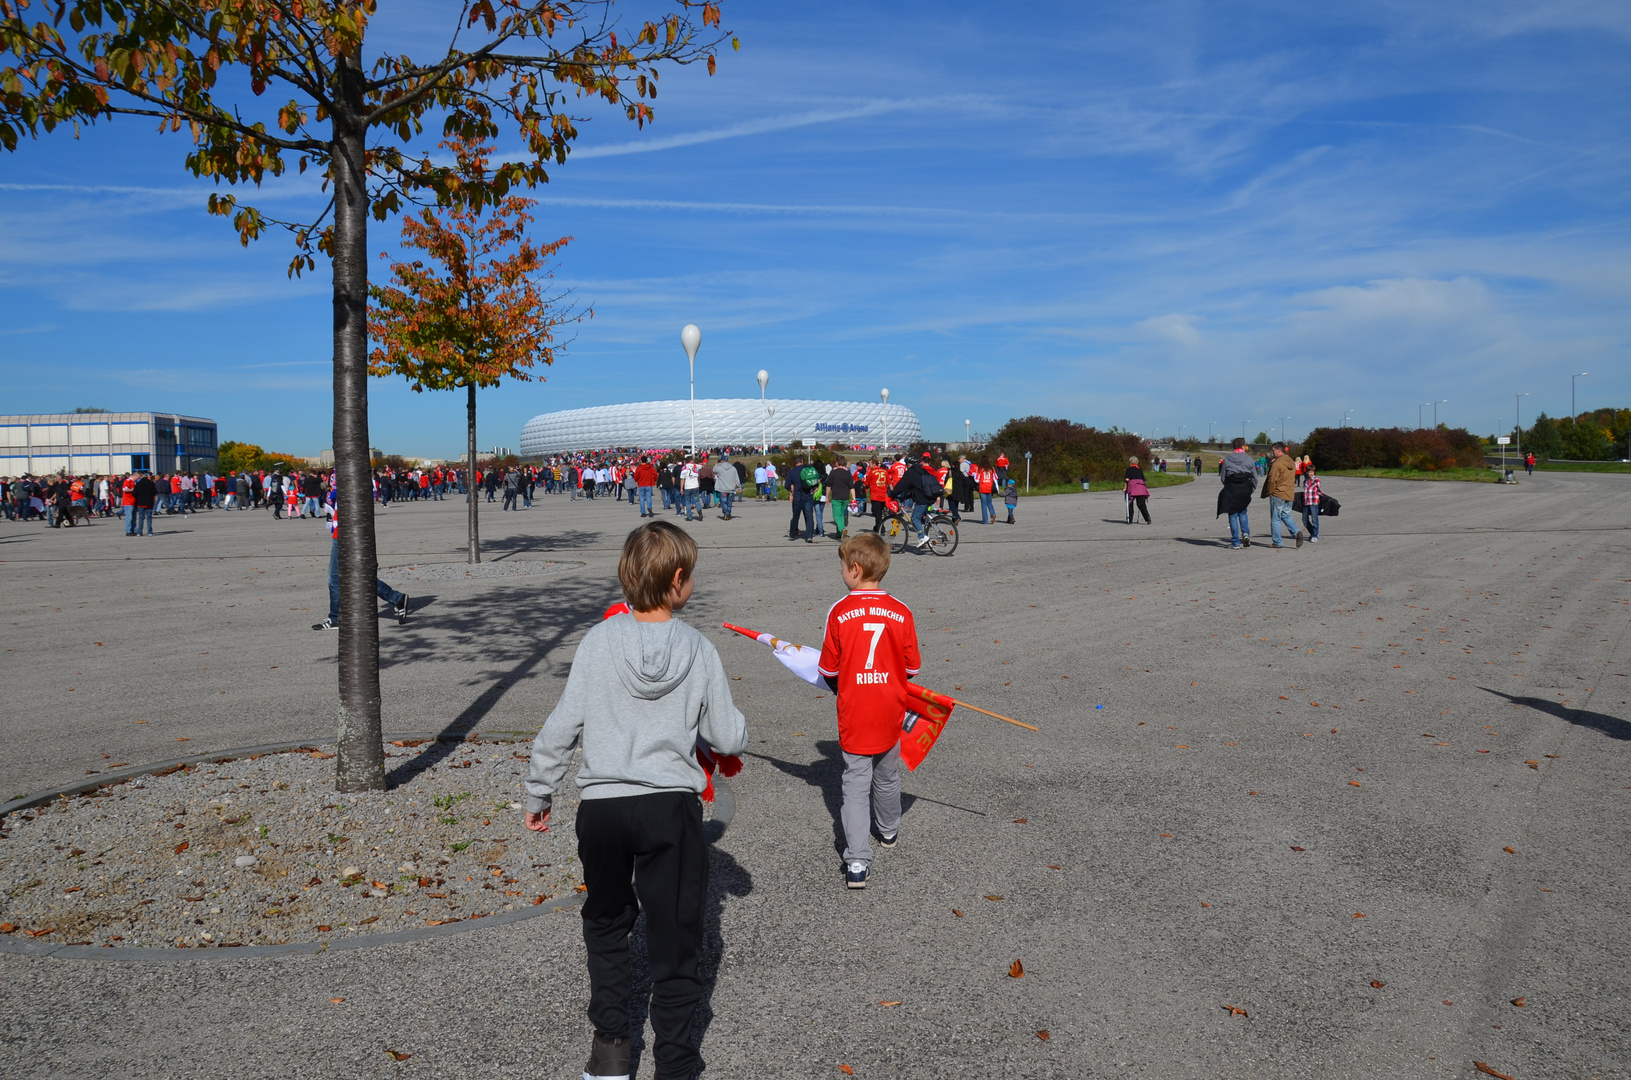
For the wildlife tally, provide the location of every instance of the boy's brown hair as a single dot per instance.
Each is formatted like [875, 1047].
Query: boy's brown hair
[651, 555]
[869, 552]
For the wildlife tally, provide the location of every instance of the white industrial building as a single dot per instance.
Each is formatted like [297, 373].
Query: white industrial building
[97, 443]
[667, 425]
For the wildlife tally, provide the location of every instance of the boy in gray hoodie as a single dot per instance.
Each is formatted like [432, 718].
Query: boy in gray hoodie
[644, 692]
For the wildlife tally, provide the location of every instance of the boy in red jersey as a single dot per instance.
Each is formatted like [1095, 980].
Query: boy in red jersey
[869, 652]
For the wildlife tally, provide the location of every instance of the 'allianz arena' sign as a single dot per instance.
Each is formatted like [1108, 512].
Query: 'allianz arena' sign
[667, 425]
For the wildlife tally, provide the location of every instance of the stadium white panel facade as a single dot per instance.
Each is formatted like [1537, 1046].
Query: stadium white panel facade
[666, 425]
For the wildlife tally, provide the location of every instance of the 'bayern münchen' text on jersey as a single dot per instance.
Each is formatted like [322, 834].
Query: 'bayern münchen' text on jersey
[871, 648]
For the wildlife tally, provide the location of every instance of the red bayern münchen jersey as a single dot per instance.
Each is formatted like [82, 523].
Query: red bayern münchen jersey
[871, 648]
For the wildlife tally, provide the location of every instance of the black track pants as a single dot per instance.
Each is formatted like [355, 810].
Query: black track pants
[646, 852]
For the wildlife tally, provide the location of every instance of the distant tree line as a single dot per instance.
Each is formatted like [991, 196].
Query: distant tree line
[1596, 435]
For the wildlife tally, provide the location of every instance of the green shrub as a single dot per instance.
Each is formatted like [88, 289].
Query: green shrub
[1422, 449]
[1064, 451]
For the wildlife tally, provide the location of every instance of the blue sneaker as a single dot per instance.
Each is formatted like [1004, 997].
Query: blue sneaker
[888, 840]
[855, 875]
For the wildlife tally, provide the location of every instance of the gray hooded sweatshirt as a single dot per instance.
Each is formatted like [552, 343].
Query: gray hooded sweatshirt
[640, 696]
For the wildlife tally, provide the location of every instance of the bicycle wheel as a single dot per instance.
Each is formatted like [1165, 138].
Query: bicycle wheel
[942, 535]
[897, 533]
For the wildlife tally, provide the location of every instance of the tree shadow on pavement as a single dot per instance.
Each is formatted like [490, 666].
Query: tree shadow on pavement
[509, 546]
[502, 636]
[1612, 726]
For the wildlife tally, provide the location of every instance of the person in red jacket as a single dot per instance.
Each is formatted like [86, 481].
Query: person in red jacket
[645, 480]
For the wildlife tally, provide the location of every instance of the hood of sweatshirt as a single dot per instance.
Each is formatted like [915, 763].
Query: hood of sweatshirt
[652, 658]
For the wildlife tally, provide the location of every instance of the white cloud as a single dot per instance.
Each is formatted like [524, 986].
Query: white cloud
[1175, 328]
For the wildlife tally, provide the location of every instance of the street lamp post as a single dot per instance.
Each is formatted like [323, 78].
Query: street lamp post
[691, 338]
[1027, 472]
[1282, 420]
[1436, 404]
[770, 411]
[764, 433]
[1243, 431]
[968, 433]
[1517, 412]
[1209, 439]
[884, 393]
[1345, 414]
[1572, 422]
[1419, 407]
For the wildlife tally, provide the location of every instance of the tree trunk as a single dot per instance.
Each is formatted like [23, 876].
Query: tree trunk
[361, 762]
[471, 511]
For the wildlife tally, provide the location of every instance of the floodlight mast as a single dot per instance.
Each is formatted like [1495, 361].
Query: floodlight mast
[691, 339]
[764, 427]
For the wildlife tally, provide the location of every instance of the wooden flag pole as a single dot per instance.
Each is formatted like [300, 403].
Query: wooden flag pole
[999, 716]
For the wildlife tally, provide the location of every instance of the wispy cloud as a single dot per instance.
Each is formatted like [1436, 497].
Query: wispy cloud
[766, 124]
[39, 328]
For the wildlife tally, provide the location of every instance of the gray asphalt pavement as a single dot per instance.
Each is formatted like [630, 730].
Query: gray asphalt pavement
[1303, 781]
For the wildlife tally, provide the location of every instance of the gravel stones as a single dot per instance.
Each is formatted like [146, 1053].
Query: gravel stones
[263, 851]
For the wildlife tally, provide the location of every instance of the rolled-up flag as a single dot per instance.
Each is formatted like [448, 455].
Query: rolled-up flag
[927, 711]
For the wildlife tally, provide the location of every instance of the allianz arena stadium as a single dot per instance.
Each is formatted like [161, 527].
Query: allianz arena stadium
[666, 425]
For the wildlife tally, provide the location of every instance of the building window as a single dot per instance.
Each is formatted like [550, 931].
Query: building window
[141, 462]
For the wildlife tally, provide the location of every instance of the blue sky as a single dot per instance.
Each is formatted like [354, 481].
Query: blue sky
[1149, 215]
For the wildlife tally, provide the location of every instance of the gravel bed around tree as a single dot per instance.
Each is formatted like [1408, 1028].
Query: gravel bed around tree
[263, 851]
[464, 571]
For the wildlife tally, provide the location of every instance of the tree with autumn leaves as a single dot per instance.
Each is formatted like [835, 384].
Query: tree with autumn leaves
[475, 317]
[510, 68]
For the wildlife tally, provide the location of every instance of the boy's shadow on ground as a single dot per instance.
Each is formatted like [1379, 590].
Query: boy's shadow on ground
[828, 775]
[726, 878]
[1612, 726]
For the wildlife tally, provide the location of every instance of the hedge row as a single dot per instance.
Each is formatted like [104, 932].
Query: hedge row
[1063, 451]
[1425, 449]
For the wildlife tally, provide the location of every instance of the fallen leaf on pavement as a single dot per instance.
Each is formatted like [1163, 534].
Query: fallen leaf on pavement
[1449, 1003]
[1378, 985]
[324, 929]
[957, 913]
[1016, 970]
[1020, 820]
[1553, 755]
[993, 897]
[1294, 847]
[1205, 904]
[336, 1001]
[1509, 850]
[1167, 835]
[846, 1070]
[370, 919]
[1359, 914]
[1533, 765]
[1237, 1012]
[1481, 1067]
[8, 928]
[580, 888]
[397, 1055]
[1354, 783]
[42, 933]
[1043, 1035]
[1518, 1002]
[1055, 866]
[889, 1004]
[183, 846]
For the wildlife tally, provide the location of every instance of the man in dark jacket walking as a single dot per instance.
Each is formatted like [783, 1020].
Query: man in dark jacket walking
[803, 482]
[147, 494]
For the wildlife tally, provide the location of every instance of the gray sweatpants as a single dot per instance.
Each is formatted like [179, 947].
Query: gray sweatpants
[871, 789]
